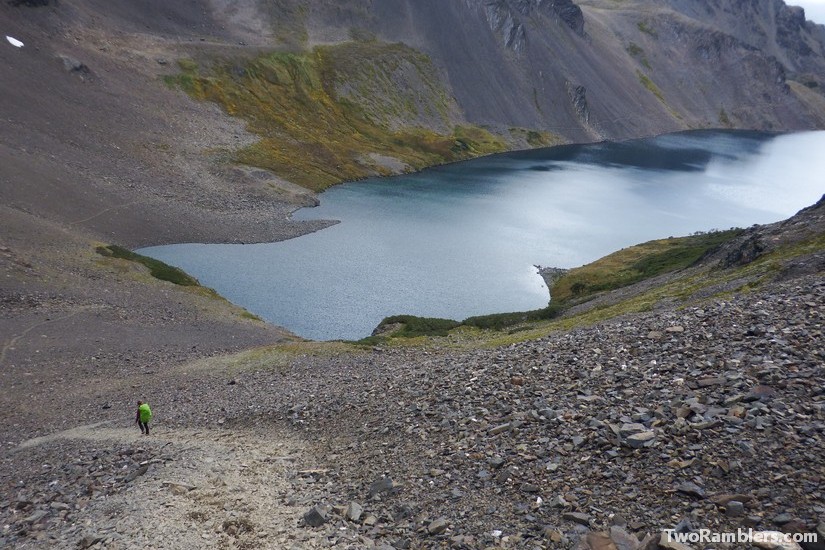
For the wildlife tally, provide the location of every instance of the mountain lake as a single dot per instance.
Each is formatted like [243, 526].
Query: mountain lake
[464, 239]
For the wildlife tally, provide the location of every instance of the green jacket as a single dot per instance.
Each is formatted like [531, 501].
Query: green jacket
[145, 413]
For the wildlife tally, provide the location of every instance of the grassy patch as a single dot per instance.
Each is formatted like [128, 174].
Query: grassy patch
[157, 269]
[535, 138]
[412, 326]
[316, 135]
[636, 51]
[650, 85]
[645, 27]
[724, 120]
[634, 264]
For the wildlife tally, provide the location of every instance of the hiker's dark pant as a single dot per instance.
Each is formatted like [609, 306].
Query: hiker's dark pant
[144, 427]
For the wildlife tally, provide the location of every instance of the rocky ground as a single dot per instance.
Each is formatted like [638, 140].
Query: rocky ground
[711, 416]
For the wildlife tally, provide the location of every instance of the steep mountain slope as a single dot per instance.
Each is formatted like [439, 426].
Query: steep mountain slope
[584, 70]
[85, 98]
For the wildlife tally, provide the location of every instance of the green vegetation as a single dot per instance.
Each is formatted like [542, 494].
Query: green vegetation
[636, 51]
[620, 269]
[251, 316]
[634, 264]
[157, 269]
[723, 118]
[501, 321]
[645, 28]
[413, 326]
[320, 114]
[535, 138]
[649, 84]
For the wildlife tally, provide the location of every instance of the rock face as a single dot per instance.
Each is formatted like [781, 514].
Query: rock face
[649, 67]
[508, 18]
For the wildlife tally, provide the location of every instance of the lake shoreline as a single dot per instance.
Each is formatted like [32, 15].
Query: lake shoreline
[462, 240]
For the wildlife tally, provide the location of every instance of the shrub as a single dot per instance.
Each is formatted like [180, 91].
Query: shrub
[157, 269]
[419, 326]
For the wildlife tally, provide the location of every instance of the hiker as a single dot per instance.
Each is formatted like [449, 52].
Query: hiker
[143, 416]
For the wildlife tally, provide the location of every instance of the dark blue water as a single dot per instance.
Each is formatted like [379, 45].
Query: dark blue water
[463, 239]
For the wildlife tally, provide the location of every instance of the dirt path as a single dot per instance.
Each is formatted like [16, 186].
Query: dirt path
[201, 489]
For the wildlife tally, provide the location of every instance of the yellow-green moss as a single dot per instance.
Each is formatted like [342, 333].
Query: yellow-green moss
[724, 120]
[645, 27]
[650, 85]
[636, 51]
[314, 139]
[636, 263]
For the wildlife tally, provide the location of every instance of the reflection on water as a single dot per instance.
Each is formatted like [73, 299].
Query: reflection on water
[462, 240]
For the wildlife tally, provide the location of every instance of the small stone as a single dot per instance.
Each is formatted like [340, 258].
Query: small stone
[796, 526]
[595, 541]
[353, 511]
[773, 540]
[724, 499]
[530, 488]
[35, 517]
[437, 526]
[752, 521]
[622, 539]
[177, 488]
[496, 462]
[691, 489]
[316, 516]
[637, 441]
[553, 535]
[666, 544]
[630, 429]
[650, 542]
[712, 381]
[675, 329]
[137, 473]
[760, 393]
[73, 65]
[735, 509]
[782, 519]
[517, 381]
[577, 517]
[500, 429]
[88, 541]
[383, 485]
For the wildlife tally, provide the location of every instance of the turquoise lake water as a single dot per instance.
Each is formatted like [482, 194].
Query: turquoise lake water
[463, 239]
